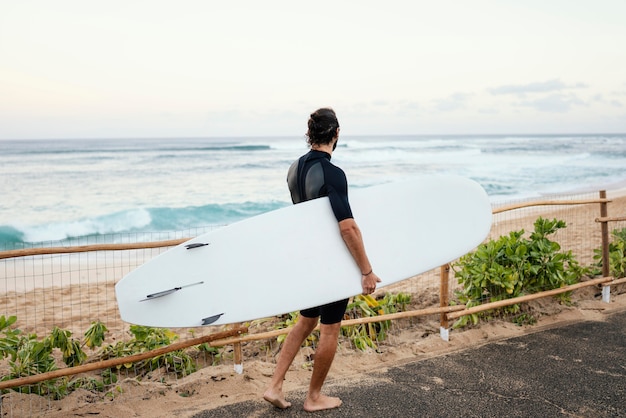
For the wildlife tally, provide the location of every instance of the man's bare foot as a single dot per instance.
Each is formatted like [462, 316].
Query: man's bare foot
[276, 398]
[321, 403]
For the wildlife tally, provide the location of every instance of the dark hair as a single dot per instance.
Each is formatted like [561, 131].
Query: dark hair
[323, 125]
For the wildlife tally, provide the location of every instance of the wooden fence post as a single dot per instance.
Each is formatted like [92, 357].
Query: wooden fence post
[606, 290]
[605, 235]
[444, 300]
[238, 353]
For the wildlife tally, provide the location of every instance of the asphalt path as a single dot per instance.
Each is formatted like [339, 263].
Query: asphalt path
[573, 370]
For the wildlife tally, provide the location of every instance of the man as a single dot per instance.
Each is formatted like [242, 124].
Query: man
[310, 177]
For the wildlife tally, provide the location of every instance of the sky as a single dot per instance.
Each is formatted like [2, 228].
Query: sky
[201, 68]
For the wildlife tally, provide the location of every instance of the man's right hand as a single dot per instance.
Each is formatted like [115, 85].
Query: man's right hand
[368, 283]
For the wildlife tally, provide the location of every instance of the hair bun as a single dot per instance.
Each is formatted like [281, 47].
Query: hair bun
[323, 125]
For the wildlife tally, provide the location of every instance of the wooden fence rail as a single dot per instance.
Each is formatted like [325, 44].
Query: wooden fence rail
[114, 362]
[549, 203]
[88, 248]
[512, 301]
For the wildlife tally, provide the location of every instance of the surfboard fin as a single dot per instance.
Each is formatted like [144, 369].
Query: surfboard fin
[168, 291]
[211, 319]
[196, 245]
[161, 294]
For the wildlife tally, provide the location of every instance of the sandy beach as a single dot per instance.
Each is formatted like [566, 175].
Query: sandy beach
[86, 294]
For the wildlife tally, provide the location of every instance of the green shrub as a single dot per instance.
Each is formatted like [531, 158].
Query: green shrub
[512, 266]
[146, 339]
[365, 336]
[29, 355]
[617, 255]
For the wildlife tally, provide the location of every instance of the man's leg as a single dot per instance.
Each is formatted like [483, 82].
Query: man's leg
[324, 355]
[291, 346]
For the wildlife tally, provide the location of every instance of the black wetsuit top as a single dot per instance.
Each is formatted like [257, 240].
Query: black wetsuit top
[310, 177]
[313, 176]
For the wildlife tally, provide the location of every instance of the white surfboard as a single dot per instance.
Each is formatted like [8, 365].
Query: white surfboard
[295, 258]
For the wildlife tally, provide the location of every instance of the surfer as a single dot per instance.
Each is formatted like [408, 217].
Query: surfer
[310, 177]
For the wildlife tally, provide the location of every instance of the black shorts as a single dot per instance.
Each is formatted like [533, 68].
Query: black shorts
[330, 313]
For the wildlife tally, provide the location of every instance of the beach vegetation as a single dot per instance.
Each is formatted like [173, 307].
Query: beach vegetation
[514, 265]
[28, 354]
[365, 336]
[362, 336]
[215, 353]
[146, 339]
[287, 321]
[94, 336]
[617, 255]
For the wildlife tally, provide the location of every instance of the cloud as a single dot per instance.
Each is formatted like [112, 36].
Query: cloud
[455, 101]
[613, 102]
[555, 103]
[537, 87]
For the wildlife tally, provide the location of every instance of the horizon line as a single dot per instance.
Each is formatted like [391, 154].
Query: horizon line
[293, 136]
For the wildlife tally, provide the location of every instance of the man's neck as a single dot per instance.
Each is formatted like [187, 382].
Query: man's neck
[327, 148]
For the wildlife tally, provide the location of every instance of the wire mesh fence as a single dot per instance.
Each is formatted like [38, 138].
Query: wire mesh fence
[71, 292]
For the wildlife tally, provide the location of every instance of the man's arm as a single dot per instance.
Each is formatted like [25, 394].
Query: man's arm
[351, 235]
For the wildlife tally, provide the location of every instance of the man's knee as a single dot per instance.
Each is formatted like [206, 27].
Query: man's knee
[330, 329]
[307, 323]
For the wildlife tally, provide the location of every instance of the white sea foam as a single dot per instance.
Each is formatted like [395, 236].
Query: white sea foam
[108, 224]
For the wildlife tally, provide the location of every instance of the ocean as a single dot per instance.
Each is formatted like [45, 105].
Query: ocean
[60, 190]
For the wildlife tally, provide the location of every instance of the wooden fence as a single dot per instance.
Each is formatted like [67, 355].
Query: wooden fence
[239, 335]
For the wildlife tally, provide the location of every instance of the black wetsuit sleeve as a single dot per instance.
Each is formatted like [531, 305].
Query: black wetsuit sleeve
[337, 191]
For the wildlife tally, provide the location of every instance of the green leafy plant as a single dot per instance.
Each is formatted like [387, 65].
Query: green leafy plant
[289, 320]
[146, 339]
[73, 354]
[10, 339]
[365, 336]
[94, 336]
[215, 353]
[512, 266]
[28, 355]
[617, 255]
